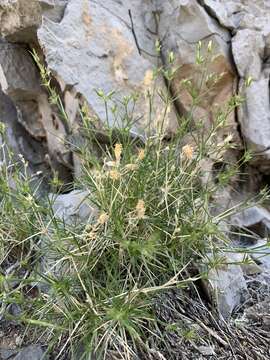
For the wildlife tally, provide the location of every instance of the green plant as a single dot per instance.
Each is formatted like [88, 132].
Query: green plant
[154, 223]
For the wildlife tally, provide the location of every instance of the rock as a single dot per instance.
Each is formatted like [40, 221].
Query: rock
[255, 218]
[256, 110]
[19, 19]
[248, 48]
[20, 81]
[109, 57]
[206, 350]
[182, 24]
[53, 9]
[260, 252]
[228, 13]
[240, 14]
[259, 314]
[251, 216]
[19, 77]
[248, 53]
[17, 138]
[249, 20]
[7, 354]
[226, 286]
[244, 259]
[72, 208]
[19, 141]
[32, 352]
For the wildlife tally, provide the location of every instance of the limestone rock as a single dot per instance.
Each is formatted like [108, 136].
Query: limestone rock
[228, 13]
[183, 23]
[53, 9]
[246, 262]
[18, 139]
[19, 19]
[249, 21]
[109, 57]
[240, 14]
[260, 252]
[32, 352]
[206, 350]
[259, 314]
[248, 48]
[6, 354]
[72, 208]
[252, 216]
[20, 80]
[19, 77]
[254, 117]
[226, 286]
[248, 52]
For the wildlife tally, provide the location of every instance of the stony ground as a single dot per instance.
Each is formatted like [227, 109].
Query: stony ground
[192, 330]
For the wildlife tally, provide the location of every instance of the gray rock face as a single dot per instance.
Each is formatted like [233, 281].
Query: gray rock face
[226, 286]
[252, 216]
[116, 51]
[33, 352]
[109, 57]
[255, 219]
[248, 52]
[53, 9]
[240, 14]
[6, 354]
[17, 137]
[260, 252]
[249, 21]
[72, 208]
[182, 24]
[19, 19]
[20, 81]
[19, 76]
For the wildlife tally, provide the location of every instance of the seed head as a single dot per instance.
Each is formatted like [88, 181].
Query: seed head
[114, 174]
[103, 218]
[118, 151]
[131, 167]
[141, 154]
[187, 151]
[140, 209]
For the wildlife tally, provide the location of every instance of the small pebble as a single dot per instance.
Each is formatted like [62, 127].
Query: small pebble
[18, 340]
[206, 350]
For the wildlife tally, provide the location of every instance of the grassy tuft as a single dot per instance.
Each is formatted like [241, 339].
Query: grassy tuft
[154, 222]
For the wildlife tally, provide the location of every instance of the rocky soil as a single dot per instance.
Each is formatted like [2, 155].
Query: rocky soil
[110, 45]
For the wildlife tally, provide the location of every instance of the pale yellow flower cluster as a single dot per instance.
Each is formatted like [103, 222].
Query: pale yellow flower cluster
[114, 174]
[141, 154]
[103, 218]
[118, 148]
[188, 151]
[140, 209]
[91, 229]
[132, 167]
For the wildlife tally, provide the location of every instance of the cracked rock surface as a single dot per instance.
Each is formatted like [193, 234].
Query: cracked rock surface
[90, 45]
